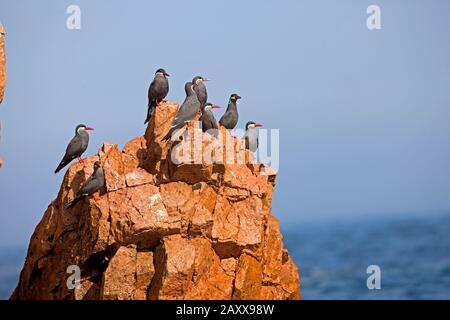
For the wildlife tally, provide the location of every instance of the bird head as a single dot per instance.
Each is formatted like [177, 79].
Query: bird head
[96, 165]
[162, 72]
[252, 125]
[235, 97]
[199, 79]
[209, 105]
[189, 88]
[82, 127]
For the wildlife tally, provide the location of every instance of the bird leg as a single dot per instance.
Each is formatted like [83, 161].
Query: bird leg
[81, 160]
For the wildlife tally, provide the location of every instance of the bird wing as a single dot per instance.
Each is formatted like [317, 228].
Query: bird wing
[251, 140]
[201, 93]
[87, 186]
[247, 142]
[187, 112]
[228, 118]
[208, 120]
[157, 90]
[152, 90]
[92, 184]
[152, 96]
[74, 148]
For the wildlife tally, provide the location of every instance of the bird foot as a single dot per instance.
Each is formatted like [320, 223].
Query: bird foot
[96, 197]
[81, 160]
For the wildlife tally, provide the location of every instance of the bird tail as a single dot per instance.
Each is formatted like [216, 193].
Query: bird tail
[61, 165]
[168, 135]
[151, 108]
[74, 201]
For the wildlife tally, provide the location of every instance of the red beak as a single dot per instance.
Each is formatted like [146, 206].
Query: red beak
[216, 107]
[206, 79]
[258, 125]
[88, 128]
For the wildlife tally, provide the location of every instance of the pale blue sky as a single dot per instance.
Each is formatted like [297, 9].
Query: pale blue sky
[364, 116]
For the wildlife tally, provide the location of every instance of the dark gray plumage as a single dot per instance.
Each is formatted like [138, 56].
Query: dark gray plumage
[251, 136]
[93, 184]
[230, 118]
[208, 120]
[200, 90]
[77, 146]
[158, 90]
[187, 111]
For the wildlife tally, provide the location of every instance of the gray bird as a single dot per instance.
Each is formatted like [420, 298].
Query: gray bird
[187, 111]
[208, 120]
[77, 146]
[251, 136]
[200, 89]
[93, 184]
[230, 118]
[158, 90]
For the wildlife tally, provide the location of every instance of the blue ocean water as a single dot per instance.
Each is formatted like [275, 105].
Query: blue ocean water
[412, 253]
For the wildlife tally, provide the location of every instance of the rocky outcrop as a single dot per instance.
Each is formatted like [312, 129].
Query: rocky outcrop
[164, 228]
[2, 63]
[2, 70]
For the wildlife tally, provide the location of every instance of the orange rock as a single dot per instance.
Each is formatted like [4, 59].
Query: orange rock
[119, 278]
[2, 69]
[248, 281]
[2, 63]
[113, 167]
[161, 230]
[145, 271]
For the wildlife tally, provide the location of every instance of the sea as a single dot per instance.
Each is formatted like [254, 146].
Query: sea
[378, 258]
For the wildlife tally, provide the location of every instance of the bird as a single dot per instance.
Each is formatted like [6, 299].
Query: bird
[200, 89]
[76, 147]
[158, 90]
[230, 118]
[187, 112]
[93, 184]
[251, 136]
[207, 118]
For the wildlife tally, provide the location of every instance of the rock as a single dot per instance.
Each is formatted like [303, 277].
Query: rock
[161, 230]
[2, 63]
[145, 271]
[2, 70]
[248, 281]
[119, 278]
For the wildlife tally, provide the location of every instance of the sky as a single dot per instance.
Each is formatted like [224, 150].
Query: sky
[363, 114]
